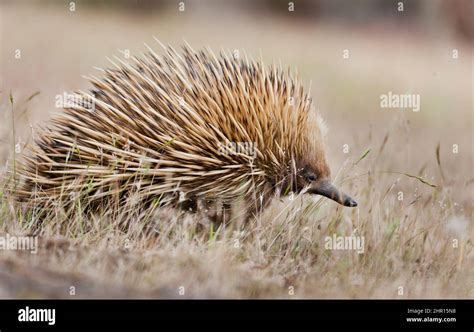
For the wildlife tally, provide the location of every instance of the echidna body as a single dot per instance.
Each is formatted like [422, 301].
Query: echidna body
[189, 125]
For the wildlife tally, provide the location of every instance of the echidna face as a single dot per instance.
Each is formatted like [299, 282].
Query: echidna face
[320, 184]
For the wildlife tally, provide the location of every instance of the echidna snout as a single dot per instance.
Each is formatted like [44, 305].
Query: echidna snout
[325, 188]
[316, 176]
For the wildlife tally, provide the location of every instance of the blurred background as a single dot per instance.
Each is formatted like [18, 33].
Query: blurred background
[351, 52]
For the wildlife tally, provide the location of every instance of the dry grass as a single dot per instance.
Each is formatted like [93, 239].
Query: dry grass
[408, 243]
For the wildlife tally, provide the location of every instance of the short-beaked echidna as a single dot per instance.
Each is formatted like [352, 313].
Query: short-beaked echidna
[182, 127]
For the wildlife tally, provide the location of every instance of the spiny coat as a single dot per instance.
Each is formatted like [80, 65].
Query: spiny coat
[162, 128]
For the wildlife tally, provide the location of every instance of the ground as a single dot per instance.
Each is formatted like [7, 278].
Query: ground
[411, 172]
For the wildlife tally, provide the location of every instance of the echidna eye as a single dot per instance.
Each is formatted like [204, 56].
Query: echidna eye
[311, 177]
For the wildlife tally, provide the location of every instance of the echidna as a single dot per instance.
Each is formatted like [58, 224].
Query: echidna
[186, 126]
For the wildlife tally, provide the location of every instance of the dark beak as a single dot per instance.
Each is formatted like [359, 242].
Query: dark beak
[325, 188]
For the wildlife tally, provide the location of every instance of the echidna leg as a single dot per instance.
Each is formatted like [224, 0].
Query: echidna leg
[219, 212]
